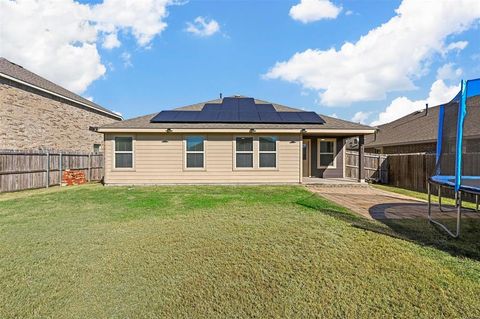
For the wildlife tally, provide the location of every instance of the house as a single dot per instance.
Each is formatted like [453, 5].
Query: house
[227, 141]
[36, 114]
[417, 132]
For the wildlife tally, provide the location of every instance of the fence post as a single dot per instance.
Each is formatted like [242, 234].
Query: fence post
[89, 167]
[60, 169]
[47, 179]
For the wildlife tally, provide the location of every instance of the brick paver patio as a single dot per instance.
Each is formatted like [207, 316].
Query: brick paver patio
[377, 204]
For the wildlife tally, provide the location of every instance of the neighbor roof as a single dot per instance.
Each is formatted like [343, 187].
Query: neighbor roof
[144, 122]
[17, 73]
[420, 127]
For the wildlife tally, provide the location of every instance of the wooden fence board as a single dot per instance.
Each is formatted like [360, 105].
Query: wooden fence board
[409, 171]
[21, 170]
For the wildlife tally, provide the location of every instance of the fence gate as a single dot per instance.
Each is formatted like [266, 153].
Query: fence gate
[376, 166]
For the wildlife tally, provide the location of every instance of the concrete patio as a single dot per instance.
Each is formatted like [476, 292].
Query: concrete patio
[333, 182]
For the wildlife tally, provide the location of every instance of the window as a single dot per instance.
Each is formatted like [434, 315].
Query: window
[96, 148]
[326, 153]
[123, 152]
[268, 152]
[244, 152]
[195, 152]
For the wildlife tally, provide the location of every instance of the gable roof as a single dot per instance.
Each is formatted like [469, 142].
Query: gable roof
[144, 122]
[420, 127]
[17, 73]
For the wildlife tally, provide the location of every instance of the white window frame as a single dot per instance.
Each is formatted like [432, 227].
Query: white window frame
[186, 152]
[334, 152]
[115, 152]
[243, 152]
[268, 152]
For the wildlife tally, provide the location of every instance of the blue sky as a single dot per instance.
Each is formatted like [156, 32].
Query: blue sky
[176, 67]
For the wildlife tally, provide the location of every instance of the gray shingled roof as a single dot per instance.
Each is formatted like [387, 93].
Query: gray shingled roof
[419, 127]
[143, 122]
[18, 72]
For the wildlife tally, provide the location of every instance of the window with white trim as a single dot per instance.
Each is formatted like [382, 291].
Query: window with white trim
[195, 152]
[123, 152]
[326, 153]
[267, 152]
[244, 152]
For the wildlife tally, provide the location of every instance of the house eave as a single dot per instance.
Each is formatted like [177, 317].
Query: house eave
[238, 130]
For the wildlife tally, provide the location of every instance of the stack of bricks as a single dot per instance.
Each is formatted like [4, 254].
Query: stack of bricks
[73, 177]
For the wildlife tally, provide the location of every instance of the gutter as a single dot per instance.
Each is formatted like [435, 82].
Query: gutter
[59, 95]
[234, 130]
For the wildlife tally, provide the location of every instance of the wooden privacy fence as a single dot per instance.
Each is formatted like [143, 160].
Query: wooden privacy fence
[409, 171]
[375, 166]
[27, 170]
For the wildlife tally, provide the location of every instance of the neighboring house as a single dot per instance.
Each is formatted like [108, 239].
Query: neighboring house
[36, 114]
[417, 132]
[227, 141]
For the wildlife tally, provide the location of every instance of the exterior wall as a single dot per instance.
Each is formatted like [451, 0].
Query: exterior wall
[159, 159]
[31, 119]
[337, 172]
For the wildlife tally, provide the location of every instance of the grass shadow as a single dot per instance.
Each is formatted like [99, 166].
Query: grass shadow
[417, 230]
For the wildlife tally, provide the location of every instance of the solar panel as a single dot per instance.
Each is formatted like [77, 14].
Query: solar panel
[246, 105]
[248, 117]
[228, 117]
[269, 117]
[165, 116]
[310, 117]
[290, 117]
[187, 116]
[207, 116]
[237, 110]
[265, 108]
[230, 104]
[212, 108]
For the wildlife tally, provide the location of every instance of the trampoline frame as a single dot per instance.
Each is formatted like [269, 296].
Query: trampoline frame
[458, 205]
[457, 185]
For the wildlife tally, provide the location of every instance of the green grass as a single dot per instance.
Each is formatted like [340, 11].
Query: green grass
[203, 252]
[422, 196]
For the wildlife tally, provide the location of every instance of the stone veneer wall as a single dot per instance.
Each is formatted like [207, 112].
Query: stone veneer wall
[31, 119]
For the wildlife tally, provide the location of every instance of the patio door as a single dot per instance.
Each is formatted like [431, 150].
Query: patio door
[306, 157]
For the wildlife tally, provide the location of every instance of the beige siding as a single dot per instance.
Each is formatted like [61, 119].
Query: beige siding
[159, 159]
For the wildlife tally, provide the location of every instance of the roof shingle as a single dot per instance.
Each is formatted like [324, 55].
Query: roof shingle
[143, 122]
[420, 127]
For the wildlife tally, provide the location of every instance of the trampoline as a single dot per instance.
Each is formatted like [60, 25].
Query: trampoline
[456, 166]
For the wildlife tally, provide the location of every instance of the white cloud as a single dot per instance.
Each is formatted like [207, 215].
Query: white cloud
[334, 115]
[203, 27]
[127, 59]
[460, 45]
[361, 117]
[313, 10]
[449, 72]
[111, 41]
[59, 39]
[401, 106]
[386, 59]
[348, 12]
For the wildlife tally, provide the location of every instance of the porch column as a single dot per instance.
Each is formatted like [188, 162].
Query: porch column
[361, 161]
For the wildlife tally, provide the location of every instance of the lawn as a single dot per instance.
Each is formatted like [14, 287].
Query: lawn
[168, 252]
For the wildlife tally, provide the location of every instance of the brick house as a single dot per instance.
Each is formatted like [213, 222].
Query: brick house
[36, 114]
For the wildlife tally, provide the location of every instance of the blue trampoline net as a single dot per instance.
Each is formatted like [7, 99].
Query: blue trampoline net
[458, 145]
